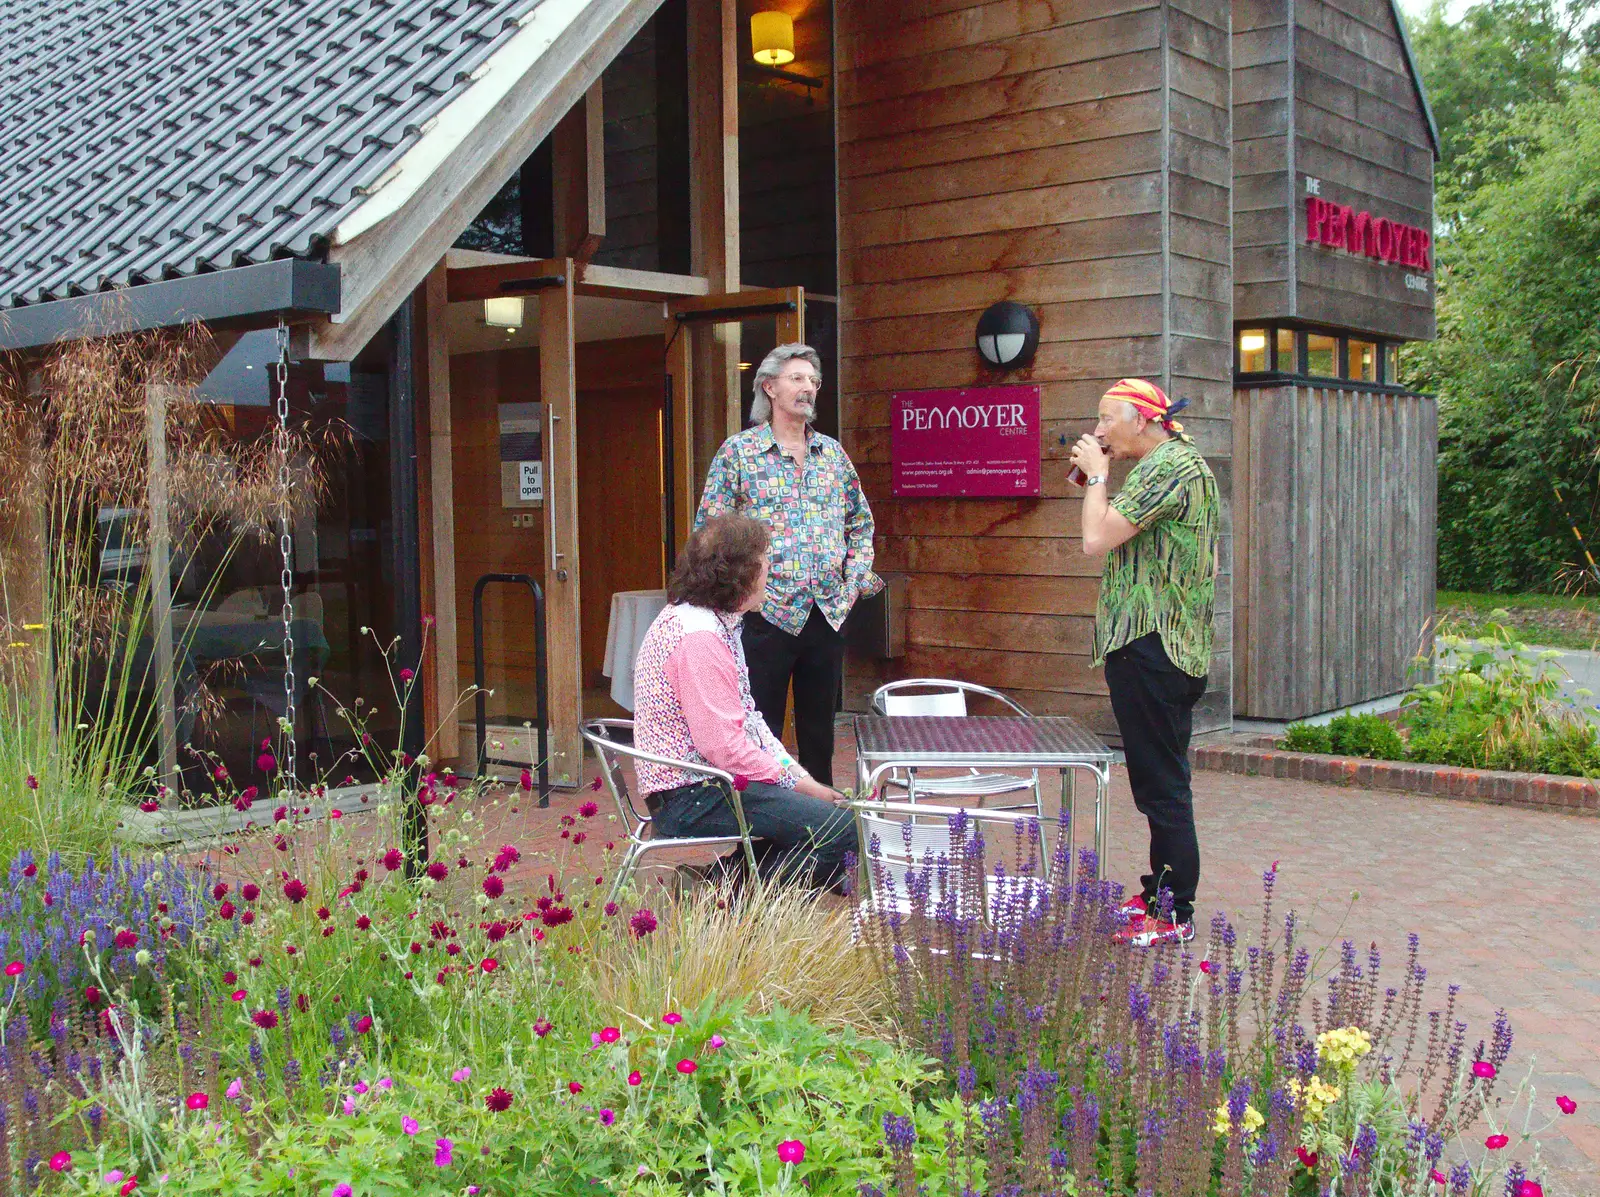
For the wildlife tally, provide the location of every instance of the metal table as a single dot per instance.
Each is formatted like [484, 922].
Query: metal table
[885, 742]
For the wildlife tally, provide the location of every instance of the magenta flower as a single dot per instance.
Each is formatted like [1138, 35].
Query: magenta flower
[385, 1083]
[609, 1034]
[1496, 1142]
[1567, 1105]
[197, 1101]
[406, 675]
[607, 1117]
[635, 1079]
[643, 922]
[493, 887]
[393, 859]
[1483, 1070]
[363, 1024]
[295, 890]
[341, 1190]
[1530, 1188]
[14, 969]
[438, 870]
[589, 809]
[408, 1124]
[441, 1154]
[265, 1019]
[61, 1161]
[360, 1088]
[498, 1100]
[715, 1042]
[791, 1151]
[542, 1027]
[461, 1074]
[236, 1088]
[574, 1088]
[349, 1107]
[687, 1067]
[672, 1018]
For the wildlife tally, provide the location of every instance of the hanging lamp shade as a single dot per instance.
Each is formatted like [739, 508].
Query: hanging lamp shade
[772, 38]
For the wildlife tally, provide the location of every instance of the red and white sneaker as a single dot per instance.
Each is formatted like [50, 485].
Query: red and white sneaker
[1134, 905]
[1143, 931]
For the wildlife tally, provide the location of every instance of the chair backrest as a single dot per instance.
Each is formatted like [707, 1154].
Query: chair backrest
[601, 733]
[934, 696]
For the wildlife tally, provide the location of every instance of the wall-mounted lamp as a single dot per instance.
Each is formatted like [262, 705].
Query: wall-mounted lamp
[1253, 342]
[1008, 335]
[503, 311]
[772, 38]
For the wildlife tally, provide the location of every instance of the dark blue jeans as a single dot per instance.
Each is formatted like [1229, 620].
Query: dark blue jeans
[796, 838]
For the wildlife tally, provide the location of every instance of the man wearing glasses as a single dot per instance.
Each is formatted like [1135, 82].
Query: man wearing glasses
[799, 483]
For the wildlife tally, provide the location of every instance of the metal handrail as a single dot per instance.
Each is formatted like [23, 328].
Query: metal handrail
[540, 673]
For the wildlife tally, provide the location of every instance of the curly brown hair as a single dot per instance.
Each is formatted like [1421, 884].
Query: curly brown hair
[720, 563]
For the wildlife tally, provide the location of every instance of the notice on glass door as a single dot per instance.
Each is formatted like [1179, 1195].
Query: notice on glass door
[966, 442]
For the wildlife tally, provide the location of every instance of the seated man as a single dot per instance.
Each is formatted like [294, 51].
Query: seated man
[692, 703]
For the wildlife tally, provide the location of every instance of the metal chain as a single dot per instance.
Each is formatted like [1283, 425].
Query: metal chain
[287, 770]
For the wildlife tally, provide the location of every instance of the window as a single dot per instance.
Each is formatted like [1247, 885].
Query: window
[1322, 355]
[1253, 351]
[1288, 362]
[1391, 364]
[1363, 361]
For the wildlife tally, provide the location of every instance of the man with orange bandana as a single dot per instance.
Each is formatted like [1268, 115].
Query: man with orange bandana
[1153, 628]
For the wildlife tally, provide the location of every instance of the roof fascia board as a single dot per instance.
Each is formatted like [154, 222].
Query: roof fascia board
[465, 156]
[242, 296]
[1416, 76]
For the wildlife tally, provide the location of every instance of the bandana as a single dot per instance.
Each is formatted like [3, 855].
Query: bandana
[1150, 401]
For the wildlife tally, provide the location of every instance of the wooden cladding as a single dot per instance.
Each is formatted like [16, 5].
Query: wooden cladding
[1334, 516]
[1074, 158]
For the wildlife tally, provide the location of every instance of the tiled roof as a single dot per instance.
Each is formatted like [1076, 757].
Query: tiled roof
[151, 139]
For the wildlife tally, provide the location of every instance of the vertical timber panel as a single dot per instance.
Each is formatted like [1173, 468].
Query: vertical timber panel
[558, 387]
[439, 540]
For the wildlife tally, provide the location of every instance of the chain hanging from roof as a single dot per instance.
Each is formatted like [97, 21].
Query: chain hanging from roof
[280, 442]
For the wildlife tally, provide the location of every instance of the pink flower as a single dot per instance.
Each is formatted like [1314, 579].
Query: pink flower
[336, 813]
[1568, 1106]
[489, 965]
[609, 1034]
[1206, 966]
[265, 1019]
[408, 1124]
[406, 675]
[687, 1066]
[350, 1107]
[361, 1088]
[1438, 1178]
[791, 1151]
[239, 995]
[267, 763]
[295, 890]
[642, 923]
[363, 1024]
[741, 782]
[1496, 1142]
[574, 1088]
[197, 1101]
[128, 1186]
[715, 1042]
[635, 1079]
[1530, 1188]
[393, 859]
[542, 1027]
[385, 1082]
[607, 1117]
[461, 1074]
[14, 969]
[113, 1176]
[441, 1154]
[1483, 1070]
[341, 1190]
[61, 1161]
[589, 810]
[672, 1018]
[493, 887]
[236, 1088]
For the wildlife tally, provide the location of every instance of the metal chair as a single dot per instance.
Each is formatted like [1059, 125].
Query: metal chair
[949, 698]
[899, 844]
[640, 827]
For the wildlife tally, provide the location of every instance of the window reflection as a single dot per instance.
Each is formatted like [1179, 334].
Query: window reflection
[1363, 361]
[1322, 355]
[1253, 351]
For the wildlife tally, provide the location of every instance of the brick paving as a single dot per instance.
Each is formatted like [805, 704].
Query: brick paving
[1498, 894]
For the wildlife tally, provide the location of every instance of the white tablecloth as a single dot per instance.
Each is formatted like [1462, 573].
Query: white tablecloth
[632, 613]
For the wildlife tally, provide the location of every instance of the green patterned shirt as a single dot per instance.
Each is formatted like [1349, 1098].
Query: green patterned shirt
[1163, 578]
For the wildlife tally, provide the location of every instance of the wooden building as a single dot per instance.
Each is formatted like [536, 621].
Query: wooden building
[533, 256]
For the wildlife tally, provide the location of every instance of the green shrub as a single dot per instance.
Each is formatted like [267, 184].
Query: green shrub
[1368, 736]
[1307, 737]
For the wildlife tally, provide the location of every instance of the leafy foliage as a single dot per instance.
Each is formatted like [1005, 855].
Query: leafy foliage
[1348, 735]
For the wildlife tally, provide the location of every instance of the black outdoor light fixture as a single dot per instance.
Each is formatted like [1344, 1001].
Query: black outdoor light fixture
[1008, 335]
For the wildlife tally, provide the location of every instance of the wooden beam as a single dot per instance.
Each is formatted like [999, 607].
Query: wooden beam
[740, 301]
[558, 389]
[580, 178]
[158, 398]
[680, 380]
[385, 251]
[439, 562]
[713, 36]
[467, 283]
[792, 325]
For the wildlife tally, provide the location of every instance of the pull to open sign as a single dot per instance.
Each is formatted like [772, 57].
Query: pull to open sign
[530, 481]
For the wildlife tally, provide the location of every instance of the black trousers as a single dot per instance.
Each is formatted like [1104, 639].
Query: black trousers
[1153, 701]
[795, 838]
[815, 661]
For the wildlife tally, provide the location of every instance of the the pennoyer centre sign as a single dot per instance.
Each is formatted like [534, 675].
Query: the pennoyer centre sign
[965, 442]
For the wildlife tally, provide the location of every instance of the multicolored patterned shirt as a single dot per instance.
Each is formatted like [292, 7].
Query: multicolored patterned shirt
[821, 524]
[1163, 578]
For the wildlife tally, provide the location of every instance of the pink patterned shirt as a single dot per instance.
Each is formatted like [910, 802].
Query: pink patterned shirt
[692, 702]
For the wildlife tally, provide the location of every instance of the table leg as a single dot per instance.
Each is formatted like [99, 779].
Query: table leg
[1067, 815]
[1102, 818]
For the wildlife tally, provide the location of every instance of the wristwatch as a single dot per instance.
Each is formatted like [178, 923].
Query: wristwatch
[1091, 481]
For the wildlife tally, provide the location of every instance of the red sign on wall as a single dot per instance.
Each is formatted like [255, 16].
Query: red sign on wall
[970, 442]
[1340, 226]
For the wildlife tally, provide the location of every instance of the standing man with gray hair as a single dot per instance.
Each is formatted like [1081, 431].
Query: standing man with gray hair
[801, 484]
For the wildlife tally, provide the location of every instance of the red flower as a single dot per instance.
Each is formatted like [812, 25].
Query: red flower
[526, 780]
[589, 810]
[363, 1024]
[336, 813]
[1568, 1106]
[574, 1088]
[229, 977]
[499, 1100]
[1308, 1158]
[542, 1027]
[324, 913]
[791, 1151]
[225, 911]
[1530, 1188]
[406, 675]
[125, 939]
[128, 1186]
[219, 891]
[672, 1018]
[438, 870]
[556, 916]
[30, 870]
[635, 1079]
[91, 995]
[741, 782]
[239, 995]
[265, 1019]
[149, 807]
[453, 949]
[279, 814]
[327, 931]
[393, 859]
[295, 890]
[1496, 1142]
[250, 892]
[596, 784]
[493, 886]
[687, 1066]
[1206, 966]
[197, 1101]
[267, 763]
[248, 917]
[490, 965]
[61, 1161]
[303, 1004]
[579, 836]
[15, 968]
[255, 962]
[33, 782]
[1483, 1070]
[416, 948]
[241, 803]
[643, 922]
[609, 1034]
[363, 923]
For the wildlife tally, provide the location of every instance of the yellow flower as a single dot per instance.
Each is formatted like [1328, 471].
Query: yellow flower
[1250, 1123]
[1315, 1098]
[1343, 1046]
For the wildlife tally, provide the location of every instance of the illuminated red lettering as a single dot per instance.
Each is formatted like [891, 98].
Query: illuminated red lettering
[1339, 226]
[1424, 258]
[1316, 211]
